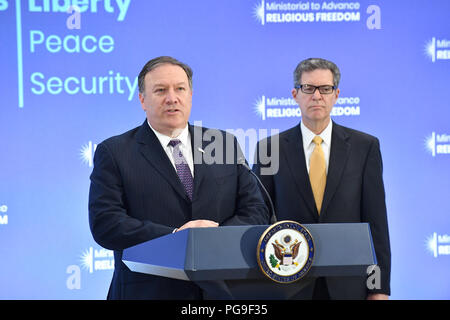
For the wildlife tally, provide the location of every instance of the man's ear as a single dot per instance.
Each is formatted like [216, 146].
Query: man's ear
[141, 99]
[337, 93]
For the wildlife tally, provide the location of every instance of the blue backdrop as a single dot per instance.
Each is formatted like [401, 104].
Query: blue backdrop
[69, 81]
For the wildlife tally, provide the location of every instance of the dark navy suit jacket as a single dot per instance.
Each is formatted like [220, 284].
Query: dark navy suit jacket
[354, 192]
[136, 195]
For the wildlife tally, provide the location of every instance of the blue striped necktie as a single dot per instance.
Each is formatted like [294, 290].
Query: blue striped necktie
[183, 171]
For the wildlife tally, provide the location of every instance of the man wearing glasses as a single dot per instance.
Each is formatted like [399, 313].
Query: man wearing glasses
[328, 173]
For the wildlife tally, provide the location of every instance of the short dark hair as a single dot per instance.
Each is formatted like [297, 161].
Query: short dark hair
[312, 64]
[156, 62]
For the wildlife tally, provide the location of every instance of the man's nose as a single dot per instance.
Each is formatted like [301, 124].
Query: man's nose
[171, 96]
[317, 95]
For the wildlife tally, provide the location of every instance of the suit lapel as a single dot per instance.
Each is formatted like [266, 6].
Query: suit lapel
[339, 152]
[151, 149]
[200, 168]
[295, 156]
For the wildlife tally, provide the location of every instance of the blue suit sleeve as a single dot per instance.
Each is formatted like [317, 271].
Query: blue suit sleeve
[111, 225]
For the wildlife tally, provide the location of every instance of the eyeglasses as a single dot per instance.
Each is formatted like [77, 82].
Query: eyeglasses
[310, 89]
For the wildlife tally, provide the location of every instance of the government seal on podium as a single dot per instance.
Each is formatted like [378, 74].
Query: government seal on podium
[285, 251]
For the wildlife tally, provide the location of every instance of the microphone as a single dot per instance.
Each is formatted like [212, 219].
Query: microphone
[273, 217]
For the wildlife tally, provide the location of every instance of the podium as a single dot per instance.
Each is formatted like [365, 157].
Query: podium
[223, 260]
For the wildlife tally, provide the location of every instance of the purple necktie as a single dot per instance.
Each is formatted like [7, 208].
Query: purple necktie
[183, 171]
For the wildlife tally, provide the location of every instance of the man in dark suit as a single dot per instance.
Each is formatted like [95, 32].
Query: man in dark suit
[327, 173]
[157, 179]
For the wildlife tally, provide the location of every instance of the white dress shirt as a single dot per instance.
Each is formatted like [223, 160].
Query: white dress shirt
[309, 145]
[185, 146]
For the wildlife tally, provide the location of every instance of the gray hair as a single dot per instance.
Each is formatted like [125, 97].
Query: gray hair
[156, 62]
[312, 64]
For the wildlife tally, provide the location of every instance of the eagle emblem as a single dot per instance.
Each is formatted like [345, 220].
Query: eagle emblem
[285, 251]
[286, 254]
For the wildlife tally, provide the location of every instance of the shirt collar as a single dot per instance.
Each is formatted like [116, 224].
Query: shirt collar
[164, 140]
[308, 135]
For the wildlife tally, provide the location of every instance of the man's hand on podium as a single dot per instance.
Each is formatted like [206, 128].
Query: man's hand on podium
[198, 224]
[377, 296]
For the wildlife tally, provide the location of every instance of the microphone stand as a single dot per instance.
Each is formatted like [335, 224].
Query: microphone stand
[273, 217]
